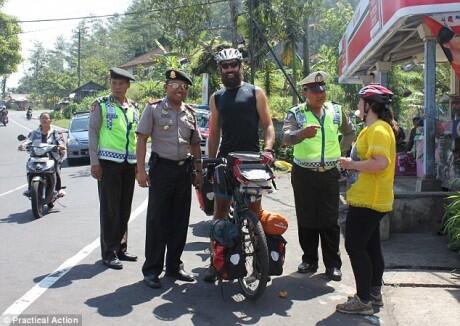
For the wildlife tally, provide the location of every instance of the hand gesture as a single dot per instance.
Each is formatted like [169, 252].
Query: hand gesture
[309, 131]
[346, 163]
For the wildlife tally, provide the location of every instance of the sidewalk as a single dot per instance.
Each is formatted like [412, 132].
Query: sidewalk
[419, 286]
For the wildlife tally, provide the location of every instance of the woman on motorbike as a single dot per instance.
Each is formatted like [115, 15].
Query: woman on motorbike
[46, 134]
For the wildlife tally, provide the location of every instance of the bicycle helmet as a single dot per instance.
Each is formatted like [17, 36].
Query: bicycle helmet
[228, 54]
[376, 93]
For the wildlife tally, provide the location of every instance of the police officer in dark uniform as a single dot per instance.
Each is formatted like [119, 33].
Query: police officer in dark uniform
[112, 150]
[171, 124]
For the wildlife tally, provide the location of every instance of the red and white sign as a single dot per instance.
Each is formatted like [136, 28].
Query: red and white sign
[375, 21]
[446, 29]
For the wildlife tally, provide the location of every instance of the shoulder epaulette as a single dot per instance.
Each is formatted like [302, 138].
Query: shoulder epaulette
[153, 101]
[102, 99]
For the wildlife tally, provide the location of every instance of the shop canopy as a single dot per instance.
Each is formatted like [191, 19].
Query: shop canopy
[386, 31]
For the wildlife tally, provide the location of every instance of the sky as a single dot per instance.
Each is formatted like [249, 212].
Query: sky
[48, 32]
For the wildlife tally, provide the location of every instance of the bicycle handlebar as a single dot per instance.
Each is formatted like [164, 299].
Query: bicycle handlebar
[211, 161]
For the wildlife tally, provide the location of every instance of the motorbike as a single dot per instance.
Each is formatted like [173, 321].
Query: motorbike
[29, 114]
[41, 176]
[4, 117]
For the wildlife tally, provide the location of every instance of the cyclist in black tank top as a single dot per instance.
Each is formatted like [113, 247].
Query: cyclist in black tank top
[237, 112]
[238, 119]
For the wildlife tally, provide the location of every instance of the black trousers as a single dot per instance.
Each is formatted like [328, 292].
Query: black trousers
[116, 190]
[330, 239]
[316, 196]
[362, 242]
[168, 216]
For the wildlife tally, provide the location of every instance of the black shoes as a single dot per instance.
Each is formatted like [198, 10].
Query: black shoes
[334, 274]
[113, 263]
[127, 256]
[210, 276]
[181, 275]
[152, 281]
[307, 268]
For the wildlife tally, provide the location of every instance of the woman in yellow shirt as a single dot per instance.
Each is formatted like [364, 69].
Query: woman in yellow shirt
[370, 197]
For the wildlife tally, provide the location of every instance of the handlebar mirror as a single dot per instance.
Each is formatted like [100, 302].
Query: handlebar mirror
[21, 137]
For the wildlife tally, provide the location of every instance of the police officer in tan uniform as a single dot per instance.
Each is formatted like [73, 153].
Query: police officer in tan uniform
[171, 124]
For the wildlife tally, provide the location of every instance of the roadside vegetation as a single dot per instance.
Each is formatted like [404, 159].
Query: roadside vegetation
[452, 222]
[303, 34]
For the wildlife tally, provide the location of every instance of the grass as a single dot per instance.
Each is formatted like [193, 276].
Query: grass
[63, 123]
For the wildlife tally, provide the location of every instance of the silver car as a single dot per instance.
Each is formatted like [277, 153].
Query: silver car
[77, 142]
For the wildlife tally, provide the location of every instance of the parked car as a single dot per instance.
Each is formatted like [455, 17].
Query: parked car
[77, 142]
[202, 121]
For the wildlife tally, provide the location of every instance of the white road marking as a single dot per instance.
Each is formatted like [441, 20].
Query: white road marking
[20, 125]
[35, 292]
[13, 190]
[24, 185]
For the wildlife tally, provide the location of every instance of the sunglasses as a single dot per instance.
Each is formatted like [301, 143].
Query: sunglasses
[305, 88]
[179, 85]
[227, 65]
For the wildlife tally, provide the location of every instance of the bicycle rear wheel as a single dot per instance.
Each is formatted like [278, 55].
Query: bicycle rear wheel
[255, 252]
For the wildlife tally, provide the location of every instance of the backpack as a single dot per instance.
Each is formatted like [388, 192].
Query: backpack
[276, 253]
[227, 248]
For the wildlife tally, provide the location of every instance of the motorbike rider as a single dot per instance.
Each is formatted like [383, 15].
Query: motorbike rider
[46, 134]
[3, 110]
[29, 112]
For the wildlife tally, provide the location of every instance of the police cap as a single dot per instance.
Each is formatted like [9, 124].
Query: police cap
[118, 73]
[173, 74]
[315, 82]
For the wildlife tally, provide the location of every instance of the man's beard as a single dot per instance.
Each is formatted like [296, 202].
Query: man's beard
[232, 80]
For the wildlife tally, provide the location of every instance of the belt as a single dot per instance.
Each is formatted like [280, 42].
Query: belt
[319, 168]
[172, 162]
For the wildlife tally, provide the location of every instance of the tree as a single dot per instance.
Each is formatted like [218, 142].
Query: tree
[9, 44]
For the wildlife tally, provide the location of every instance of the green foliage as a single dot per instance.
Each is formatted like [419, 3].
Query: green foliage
[279, 106]
[452, 222]
[9, 44]
[194, 31]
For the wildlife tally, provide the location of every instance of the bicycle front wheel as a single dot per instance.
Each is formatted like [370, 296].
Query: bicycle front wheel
[255, 253]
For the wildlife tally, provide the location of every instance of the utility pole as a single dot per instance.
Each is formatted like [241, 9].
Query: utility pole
[233, 21]
[251, 40]
[79, 55]
[306, 47]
